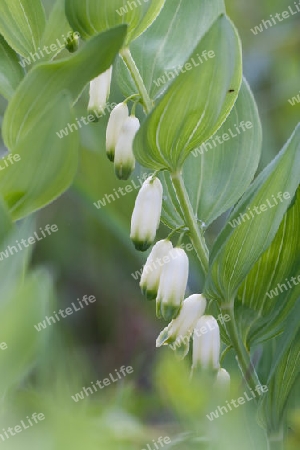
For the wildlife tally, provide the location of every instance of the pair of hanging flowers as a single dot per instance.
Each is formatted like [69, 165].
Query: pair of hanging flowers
[121, 128]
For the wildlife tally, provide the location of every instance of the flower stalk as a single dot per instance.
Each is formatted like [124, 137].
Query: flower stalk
[191, 221]
[134, 71]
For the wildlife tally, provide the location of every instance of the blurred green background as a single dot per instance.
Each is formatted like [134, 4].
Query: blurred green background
[92, 254]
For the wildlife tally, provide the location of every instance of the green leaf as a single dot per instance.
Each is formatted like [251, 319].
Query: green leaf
[13, 268]
[218, 173]
[161, 48]
[18, 316]
[152, 11]
[22, 24]
[11, 73]
[283, 377]
[47, 80]
[90, 17]
[197, 102]
[171, 215]
[286, 339]
[249, 233]
[269, 290]
[47, 163]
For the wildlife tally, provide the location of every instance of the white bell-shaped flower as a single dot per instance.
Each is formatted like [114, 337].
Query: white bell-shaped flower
[146, 214]
[178, 333]
[172, 284]
[206, 343]
[116, 120]
[124, 158]
[99, 92]
[153, 268]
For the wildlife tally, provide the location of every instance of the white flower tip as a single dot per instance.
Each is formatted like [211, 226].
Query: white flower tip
[150, 294]
[162, 337]
[139, 244]
[123, 170]
[169, 311]
[223, 379]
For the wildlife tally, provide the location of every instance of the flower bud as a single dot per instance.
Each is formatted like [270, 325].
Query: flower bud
[72, 42]
[146, 214]
[116, 120]
[153, 268]
[206, 343]
[179, 331]
[124, 157]
[172, 284]
[223, 380]
[99, 93]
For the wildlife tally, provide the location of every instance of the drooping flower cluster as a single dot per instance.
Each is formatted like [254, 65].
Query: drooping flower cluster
[121, 128]
[164, 278]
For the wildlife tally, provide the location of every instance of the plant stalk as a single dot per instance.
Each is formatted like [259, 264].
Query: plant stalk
[275, 442]
[242, 354]
[134, 71]
[191, 221]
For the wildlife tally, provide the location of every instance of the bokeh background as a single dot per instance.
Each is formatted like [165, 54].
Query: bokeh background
[92, 254]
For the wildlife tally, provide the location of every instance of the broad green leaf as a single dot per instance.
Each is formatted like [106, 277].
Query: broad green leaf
[47, 163]
[56, 33]
[11, 73]
[161, 48]
[285, 341]
[152, 12]
[249, 231]
[197, 102]
[269, 290]
[217, 173]
[90, 17]
[47, 80]
[22, 24]
[282, 379]
[17, 319]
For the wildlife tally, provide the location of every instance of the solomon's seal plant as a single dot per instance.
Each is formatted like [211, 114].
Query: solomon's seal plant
[159, 125]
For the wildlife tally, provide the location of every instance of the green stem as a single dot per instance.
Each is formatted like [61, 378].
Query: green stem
[202, 252]
[275, 442]
[134, 71]
[243, 356]
[191, 221]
